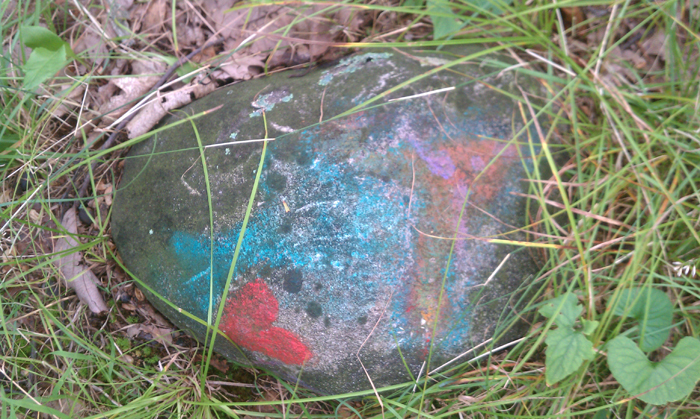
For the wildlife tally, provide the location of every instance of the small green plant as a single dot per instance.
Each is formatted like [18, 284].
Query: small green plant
[444, 20]
[49, 55]
[567, 346]
[123, 343]
[656, 383]
[654, 312]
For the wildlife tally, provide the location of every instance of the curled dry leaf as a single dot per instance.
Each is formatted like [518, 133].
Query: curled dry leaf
[149, 116]
[132, 87]
[655, 44]
[77, 276]
[239, 67]
[149, 331]
[276, 35]
[68, 101]
[150, 16]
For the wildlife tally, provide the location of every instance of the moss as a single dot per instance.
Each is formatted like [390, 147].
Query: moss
[123, 343]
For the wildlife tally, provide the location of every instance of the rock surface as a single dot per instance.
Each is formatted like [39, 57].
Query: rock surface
[348, 253]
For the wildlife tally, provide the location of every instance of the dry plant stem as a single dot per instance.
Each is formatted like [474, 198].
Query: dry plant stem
[112, 138]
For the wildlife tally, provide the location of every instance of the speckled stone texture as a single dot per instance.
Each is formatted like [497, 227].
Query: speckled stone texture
[350, 240]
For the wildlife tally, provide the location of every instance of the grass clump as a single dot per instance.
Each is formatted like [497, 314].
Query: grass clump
[622, 214]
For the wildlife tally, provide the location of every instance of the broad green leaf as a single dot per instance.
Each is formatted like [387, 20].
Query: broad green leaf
[654, 311]
[566, 309]
[589, 326]
[42, 65]
[443, 25]
[566, 351]
[40, 37]
[655, 382]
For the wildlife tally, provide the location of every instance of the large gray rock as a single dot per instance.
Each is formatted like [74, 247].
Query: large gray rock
[350, 245]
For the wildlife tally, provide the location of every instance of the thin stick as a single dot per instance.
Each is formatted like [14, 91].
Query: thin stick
[461, 355]
[432, 92]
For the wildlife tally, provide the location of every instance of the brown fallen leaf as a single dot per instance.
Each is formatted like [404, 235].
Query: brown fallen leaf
[149, 331]
[74, 273]
[108, 195]
[149, 116]
[131, 87]
[215, 361]
[655, 44]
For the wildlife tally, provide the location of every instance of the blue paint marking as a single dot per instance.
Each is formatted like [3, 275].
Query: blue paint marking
[350, 65]
[336, 240]
[265, 103]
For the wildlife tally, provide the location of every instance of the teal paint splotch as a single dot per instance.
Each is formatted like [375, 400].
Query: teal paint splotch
[350, 65]
[342, 238]
[266, 103]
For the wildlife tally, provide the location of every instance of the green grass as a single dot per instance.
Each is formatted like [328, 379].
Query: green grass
[631, 209]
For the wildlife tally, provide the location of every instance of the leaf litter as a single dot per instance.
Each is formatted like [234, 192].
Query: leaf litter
[253, 40]
[76, 275]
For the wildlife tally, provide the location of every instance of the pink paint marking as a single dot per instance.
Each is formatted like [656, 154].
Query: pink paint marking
[248, 318]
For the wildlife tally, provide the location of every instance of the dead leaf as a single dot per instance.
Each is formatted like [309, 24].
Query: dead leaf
[8, 254]
[69, 406]
[634, 58]
[132, 87]
[91, 47]
[238, 68]
[276, 35]
[191, 35]
[468, 400]
[655, 44]
[147, 311]
[108, 195]
[5, 196]
[219, 363]
[149, 116]
[34, 216]
[77, 276]
[127, 306]
[346, 413]
[69, 101]
[152, 16]
[269, 395]
[149, 331]
[575, 16]
[215, 361]
[139, 295]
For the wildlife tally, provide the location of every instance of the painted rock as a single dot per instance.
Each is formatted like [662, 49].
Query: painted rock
[370, 235]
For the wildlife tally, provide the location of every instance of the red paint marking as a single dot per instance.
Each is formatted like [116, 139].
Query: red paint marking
[248, 318]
